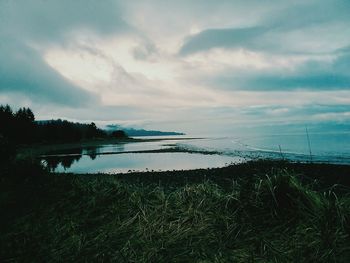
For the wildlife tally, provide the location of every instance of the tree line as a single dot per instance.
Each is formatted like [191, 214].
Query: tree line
[20, 127]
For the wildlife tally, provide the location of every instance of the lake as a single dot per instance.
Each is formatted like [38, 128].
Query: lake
[121, 158]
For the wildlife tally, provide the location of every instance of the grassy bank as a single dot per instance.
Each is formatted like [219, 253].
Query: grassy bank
[254, 212]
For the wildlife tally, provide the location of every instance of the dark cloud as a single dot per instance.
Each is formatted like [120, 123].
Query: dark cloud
[283, 29]
[343, 50]
[306, 82]
[311, 75]
[342, 63]
[145, 51]
[229, 38]
[300, 110]
[270, 34]
[53, 19]
[282, 82]
[24, 24]
[308, 14]
[25, 72]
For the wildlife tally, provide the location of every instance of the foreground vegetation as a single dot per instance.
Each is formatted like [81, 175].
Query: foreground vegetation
[254, 212]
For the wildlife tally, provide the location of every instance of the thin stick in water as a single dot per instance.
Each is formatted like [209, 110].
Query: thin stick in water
[279, 146]
[308, 141]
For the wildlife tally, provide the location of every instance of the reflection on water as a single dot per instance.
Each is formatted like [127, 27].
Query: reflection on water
[113, 158]
[66, 158]
[52, 162]
[116, 158]
[129, 147]
[117, 163]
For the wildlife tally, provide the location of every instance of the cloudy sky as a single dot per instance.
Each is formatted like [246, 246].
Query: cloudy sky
[178, 65]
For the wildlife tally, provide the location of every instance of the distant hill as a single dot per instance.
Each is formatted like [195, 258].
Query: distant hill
[141, 132]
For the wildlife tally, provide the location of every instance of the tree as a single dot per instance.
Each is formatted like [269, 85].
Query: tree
[25, 115]
[24, 125]
[6, 121]
[119, 134]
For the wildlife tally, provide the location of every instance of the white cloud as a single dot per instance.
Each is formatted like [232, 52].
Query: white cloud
[220, 60]
[125, 54]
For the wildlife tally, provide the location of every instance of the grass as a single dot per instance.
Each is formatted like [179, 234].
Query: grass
[254, 212]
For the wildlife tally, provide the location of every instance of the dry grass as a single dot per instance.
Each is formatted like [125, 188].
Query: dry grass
[272, 217]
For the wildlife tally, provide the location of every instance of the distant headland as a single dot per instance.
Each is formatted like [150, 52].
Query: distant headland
[132, 132]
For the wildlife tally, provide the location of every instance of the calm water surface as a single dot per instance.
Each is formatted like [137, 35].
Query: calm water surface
[121, 163]
[116, 158]
[330, 147]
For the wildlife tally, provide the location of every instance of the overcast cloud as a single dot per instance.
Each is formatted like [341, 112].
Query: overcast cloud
[179, 65]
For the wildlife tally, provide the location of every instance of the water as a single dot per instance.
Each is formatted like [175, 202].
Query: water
[327, 147]
[121, 163]
[117, 158]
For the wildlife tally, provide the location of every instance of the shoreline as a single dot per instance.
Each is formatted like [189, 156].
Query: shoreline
[329, 173]
[166, 150]
[39, 148]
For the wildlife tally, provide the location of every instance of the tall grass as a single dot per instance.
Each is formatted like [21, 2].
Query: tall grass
[267, 218]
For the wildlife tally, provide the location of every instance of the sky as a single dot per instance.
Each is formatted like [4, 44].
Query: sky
[205, 66]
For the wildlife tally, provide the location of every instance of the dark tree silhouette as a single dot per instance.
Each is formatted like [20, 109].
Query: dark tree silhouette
[119, 134]
[24, 128]
[20, 127]
[6, 121]
[25, 115]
